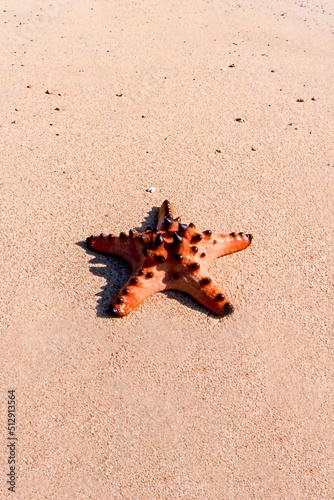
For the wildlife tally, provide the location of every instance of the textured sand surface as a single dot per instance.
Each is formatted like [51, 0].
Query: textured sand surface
[169, 402]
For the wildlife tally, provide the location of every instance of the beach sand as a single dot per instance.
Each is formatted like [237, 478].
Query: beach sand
[101, 100]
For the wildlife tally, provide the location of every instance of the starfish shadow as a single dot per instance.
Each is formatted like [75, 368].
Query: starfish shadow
[149, 221]
[188, 301]
[116, 271]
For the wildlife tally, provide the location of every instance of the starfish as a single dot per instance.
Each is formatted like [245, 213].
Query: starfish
[171, 256]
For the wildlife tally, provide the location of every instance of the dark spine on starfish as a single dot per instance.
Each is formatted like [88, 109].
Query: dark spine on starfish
[228, 309]
[182, 228]
[141, 239]
[196, 238]
[208, 232]
[160, 258]
[132, 233]
[158, 240]
[194, 266]
[168, 222]
[122, 235]
[177, 240]
[114, 312]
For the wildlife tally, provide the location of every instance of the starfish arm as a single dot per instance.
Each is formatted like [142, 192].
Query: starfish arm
[166, 210]
[224, 244]
[206, 291]
[122, 245]
[137, 289]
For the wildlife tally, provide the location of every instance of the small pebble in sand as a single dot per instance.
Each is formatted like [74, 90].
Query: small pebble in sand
[119, 95]
[151, 190]
[48, 92]
[300, 100]
[313, 99]
[28, 86]
[57, 109]
[232, 66]
[253, 149]
[240, 120]
[218, 151]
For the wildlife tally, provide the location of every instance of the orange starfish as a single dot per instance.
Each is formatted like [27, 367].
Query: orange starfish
[171, 256]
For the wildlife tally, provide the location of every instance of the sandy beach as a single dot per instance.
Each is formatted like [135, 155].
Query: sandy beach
[226, 110]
